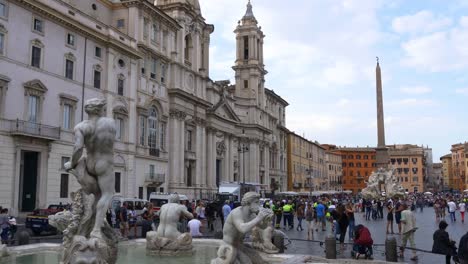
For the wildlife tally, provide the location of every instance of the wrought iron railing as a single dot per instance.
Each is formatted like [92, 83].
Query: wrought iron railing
[155, 177]
[21, 127]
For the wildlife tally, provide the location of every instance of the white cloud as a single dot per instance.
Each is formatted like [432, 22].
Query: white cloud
[342, 73]
[412, 102]
[415, 89]
[422, 22]
[463, 91]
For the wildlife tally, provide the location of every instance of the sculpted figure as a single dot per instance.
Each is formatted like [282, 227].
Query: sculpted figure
[262, 236]
[167, 240]
[97, 135]
[87, 238]
[239, 222]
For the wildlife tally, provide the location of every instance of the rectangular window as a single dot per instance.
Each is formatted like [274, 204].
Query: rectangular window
[117, 182]
[151, 169]
[154, 67]
[145, 27]
[142, 130]
[33, 108]
[71, 39]
[64, 160]
[2, 42]
[189, 139]
[120, 23]
[154, 35]
[64, 185]
[36, 57]
[246, 84]
[67, 111]
[119, 128]
[246, 48]
[97, 79]
[163, 73]
[163, 136]
[97, 52]
[3, 10]
[120, 87]
[38, 25]
[69, 69]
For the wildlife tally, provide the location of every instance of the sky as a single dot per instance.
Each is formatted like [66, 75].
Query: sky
[321, 56]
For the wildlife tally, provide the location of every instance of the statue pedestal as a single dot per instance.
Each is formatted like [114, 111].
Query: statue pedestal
[168, 247]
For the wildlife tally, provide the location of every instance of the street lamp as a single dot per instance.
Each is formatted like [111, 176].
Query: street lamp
[243, 149]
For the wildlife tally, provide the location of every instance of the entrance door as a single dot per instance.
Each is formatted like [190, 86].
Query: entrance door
[28, 180]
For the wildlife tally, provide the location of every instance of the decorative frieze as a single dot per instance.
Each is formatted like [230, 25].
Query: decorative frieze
[177, 114]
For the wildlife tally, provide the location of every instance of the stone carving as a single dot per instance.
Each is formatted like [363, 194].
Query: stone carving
[87, 238]
[167, 240]
[385, 177]
[262, 236]
[220, 148]
[239, 222]
[177, 114]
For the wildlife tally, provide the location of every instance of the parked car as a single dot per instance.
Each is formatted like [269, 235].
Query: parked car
[38, 221]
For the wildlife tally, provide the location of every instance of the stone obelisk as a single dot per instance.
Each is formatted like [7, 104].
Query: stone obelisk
[381, 150]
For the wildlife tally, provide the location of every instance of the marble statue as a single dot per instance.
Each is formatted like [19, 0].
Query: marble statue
[87, 238]
[240, 221]
[386, 177]
[167, 240]
[262, 236]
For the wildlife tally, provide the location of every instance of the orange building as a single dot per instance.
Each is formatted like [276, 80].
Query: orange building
[447, 172]
[459, 165]
[357, 165]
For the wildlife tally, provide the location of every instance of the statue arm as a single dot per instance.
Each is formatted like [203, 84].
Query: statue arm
[246, 227]
[187, 214]
[77, 148]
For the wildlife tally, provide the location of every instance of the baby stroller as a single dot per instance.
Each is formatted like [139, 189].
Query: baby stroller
[362, 243]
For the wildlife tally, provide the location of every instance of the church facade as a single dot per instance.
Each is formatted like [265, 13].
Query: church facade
[177, 130]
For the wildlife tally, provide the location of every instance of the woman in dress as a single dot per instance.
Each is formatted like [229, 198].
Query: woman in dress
[390, 210]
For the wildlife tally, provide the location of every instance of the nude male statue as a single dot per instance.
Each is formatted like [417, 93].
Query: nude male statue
[169, 216]
[94, 171]
[239, 222]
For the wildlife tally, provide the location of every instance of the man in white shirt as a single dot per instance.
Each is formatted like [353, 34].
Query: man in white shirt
[194, 226]
[408, 222]
[462, 208]
[452, 208]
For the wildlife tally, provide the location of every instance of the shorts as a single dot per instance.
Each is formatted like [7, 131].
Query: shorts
[321, 219]
[123, 225]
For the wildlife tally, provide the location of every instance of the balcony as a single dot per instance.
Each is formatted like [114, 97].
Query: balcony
[154, 152]
[24, 128]
[155, 178]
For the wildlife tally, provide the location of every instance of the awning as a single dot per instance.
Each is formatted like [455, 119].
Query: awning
[229, 189]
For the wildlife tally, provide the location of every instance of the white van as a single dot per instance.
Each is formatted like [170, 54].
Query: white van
[158, 199]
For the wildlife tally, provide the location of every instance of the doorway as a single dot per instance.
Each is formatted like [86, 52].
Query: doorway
[218, 172]
[29, 173]
[149, 190]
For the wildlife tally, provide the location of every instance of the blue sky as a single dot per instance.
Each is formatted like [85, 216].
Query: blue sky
[320, 55]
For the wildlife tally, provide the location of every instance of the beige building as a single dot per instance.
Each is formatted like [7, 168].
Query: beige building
[334, 171]
[447, 172]
[177, 130]
[437, 170]
[307, 168]
[409, 162]
[460, 165]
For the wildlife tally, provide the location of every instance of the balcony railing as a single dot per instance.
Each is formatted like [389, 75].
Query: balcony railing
[155, 178]
[25, 128]
[154, 152]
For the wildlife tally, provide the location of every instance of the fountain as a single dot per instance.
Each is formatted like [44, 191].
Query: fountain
[386, 177]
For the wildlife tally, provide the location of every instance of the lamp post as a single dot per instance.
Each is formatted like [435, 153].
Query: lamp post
[243, 149]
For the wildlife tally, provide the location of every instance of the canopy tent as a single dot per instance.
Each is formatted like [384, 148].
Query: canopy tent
[427, 193]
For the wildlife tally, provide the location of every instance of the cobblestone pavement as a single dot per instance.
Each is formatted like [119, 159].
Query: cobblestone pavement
[423, 238]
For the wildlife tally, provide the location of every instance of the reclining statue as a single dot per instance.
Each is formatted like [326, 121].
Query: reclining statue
[167, 240]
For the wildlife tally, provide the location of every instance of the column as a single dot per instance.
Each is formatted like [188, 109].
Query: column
[181, 152]
[231, 158]
[209, 159]
[227, 157]
[203, 161]
[172, 171]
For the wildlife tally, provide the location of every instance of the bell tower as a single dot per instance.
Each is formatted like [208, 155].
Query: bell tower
[249, 68]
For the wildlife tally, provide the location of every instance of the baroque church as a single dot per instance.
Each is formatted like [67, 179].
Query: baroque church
[177, 129]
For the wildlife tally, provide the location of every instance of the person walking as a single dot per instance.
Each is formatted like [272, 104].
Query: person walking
[443, 244]
[132, 220]
[320, 211]
[452, 207]
[398, 209]
[309, 216]
[123, 218]
[408, 221]
[300, 217]
[4, 225]
[342, 223]
[368, 205]
[288, 215]
[462, 208]
[226, 211]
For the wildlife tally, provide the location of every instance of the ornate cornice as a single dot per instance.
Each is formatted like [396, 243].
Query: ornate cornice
[177, 114]
[199, 121]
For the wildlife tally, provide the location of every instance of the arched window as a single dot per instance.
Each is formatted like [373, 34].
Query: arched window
[188, 49]
[153, 131]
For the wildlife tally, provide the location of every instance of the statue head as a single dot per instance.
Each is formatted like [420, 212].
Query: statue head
[251, 199]
[174, 198]
[95, 106]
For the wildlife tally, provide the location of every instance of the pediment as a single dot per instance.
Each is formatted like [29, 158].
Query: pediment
[35, 87]
[225, 111]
